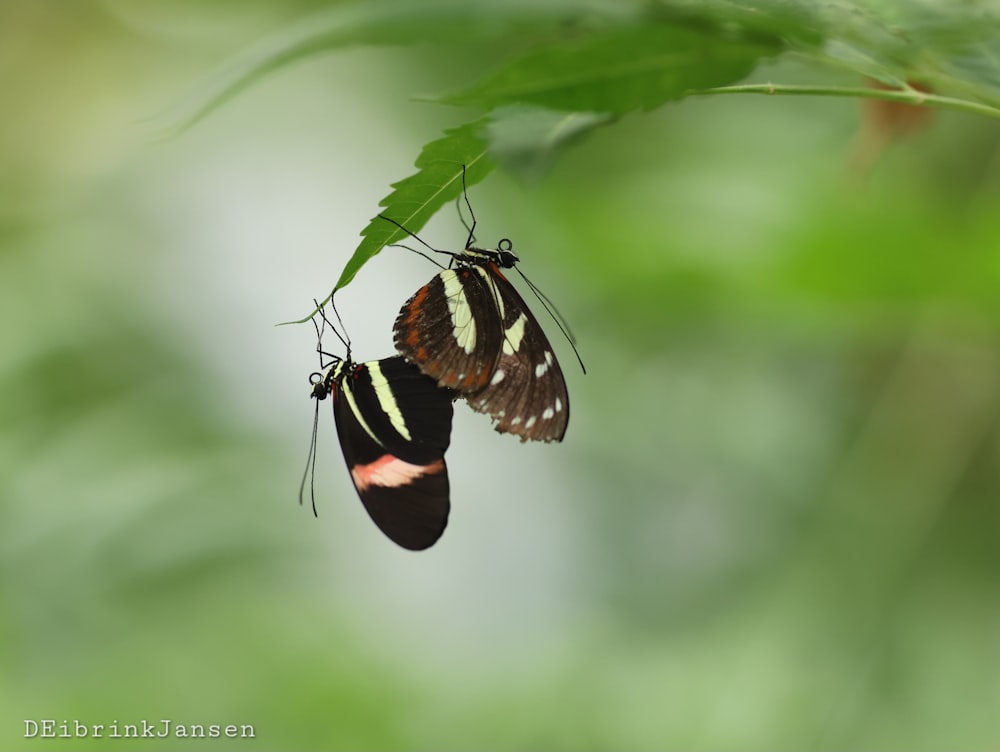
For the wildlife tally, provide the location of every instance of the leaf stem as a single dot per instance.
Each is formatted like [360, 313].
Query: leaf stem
[909, 96]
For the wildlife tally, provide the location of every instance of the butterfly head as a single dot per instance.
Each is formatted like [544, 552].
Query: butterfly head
[505, 256]
[320, 386]
[323, 385]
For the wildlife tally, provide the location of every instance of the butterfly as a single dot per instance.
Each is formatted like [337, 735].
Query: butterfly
[470, 330]
[394, 426]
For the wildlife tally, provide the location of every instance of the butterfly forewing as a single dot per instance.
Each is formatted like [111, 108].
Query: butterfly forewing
[526, 394]
[394, 425]
[451, 328]
[406, 410]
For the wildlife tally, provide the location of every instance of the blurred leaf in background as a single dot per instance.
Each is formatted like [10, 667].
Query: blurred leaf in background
[772, 523]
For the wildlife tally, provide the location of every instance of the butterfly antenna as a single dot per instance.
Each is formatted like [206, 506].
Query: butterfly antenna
[314, 379]
[414, 236]
[419, 253]
[550, 307]
[310, 471]
[472, 230]
[561, 322]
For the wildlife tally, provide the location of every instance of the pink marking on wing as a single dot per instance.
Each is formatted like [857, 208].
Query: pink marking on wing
[391, 472]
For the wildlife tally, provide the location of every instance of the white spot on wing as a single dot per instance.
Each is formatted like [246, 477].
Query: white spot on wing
[558, 405]
[497, 376]
[513, 336]
[531, 422]
[549, 412]
[463, 325]
[515, 421]
[540, 370]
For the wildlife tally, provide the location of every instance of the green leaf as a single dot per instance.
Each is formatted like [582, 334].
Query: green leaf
[376, 23]
[415, 199]
[617, 70]
[952, 50]
[800, 24]
[527, 140]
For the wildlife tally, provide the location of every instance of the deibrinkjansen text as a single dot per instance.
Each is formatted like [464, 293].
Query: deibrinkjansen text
[49, 728]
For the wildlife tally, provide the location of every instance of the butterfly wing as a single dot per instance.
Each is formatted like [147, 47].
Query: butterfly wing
[400, 475]
[526, 394]
[451, 329]
[408, 413]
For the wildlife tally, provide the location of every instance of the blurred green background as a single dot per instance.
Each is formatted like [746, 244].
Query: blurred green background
[773, 521]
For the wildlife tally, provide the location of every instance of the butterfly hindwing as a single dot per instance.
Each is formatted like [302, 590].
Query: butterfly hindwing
[526, 394]
[451, 329]
[403, 483]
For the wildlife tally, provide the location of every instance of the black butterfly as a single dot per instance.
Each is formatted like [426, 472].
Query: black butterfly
[394, 425]
[470, 330]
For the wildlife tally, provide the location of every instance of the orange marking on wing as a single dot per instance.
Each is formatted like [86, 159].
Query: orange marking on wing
[415, 304]
[496, 270]
[391, 472]
[474, 381]
[467, 383]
